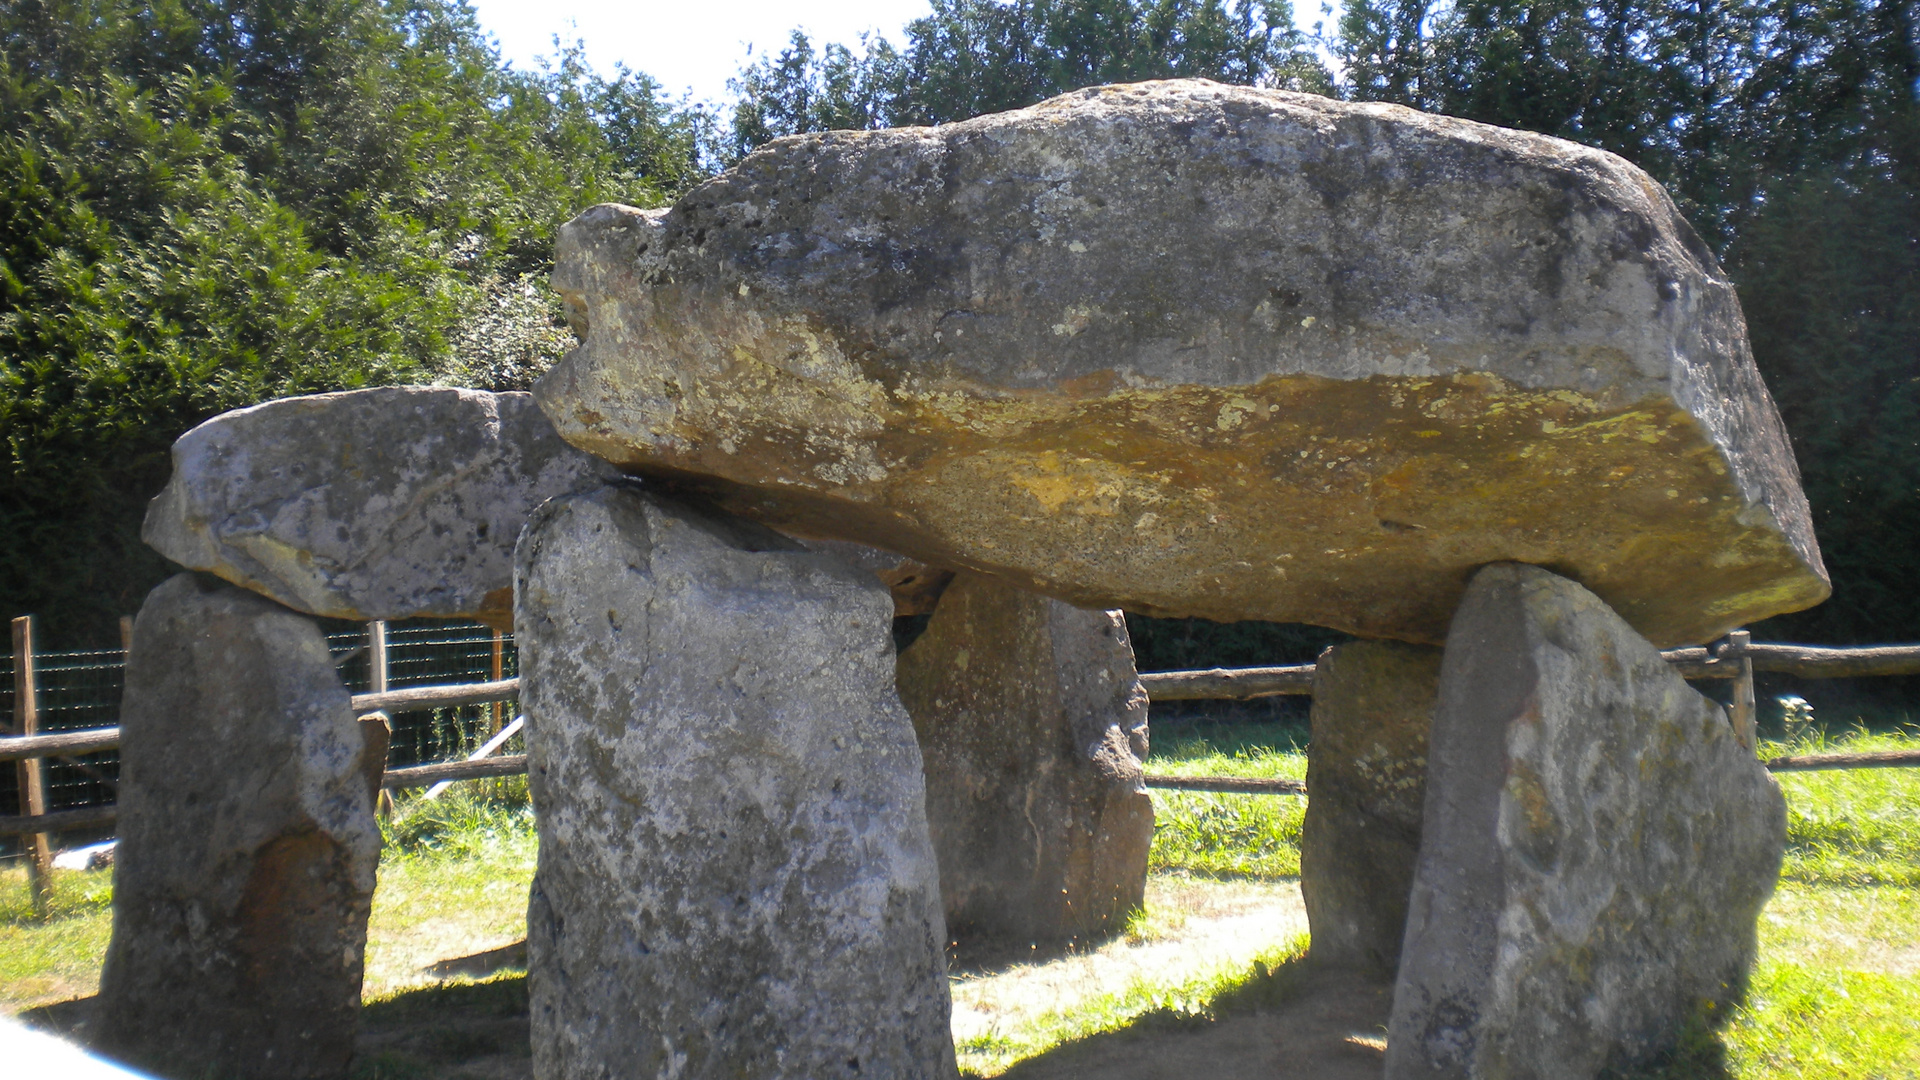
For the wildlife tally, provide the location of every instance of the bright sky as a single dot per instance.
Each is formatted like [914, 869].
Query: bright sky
[687, 45]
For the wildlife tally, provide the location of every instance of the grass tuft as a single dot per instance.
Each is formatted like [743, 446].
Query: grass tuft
[1236, 836]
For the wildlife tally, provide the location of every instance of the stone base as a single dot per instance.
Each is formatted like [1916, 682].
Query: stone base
[1597, 846]
[245, 868]
[1366, 775]
[735, 877]
[1033, 722]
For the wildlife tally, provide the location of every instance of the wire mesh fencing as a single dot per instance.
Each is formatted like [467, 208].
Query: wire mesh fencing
[428, 654]
[77, 690]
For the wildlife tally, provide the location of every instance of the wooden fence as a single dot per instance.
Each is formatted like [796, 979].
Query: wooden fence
[1736, 659]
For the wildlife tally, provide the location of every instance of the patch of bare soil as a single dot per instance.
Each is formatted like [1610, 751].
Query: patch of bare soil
[1327, 1028]
[1192, 926]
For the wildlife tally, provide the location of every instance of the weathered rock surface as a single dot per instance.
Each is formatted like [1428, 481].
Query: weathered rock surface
[1367, 774]
[916, 587]
[245, 867]
[1597, 846]
[387, 503]
[1191, 349]
[1032, 723]
[735, 877]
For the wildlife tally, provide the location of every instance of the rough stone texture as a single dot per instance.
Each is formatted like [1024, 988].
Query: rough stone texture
[1190, 349]
[245, 867]
[1367, 775]
[735, 877]
[916, 587]
[1597, 846]
[1033, 723]
[388, 503]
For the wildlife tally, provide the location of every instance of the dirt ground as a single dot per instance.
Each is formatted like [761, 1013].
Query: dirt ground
[1308, 1024]
[1329, 1029]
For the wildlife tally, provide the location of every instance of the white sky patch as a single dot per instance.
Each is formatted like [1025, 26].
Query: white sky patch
[689, 47]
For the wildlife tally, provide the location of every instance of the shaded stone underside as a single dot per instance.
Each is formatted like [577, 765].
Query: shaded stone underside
[1363, 504]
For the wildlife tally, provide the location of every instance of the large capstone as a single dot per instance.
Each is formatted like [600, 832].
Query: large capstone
[1596, 849]
[245, 867]
[1033, 723]
[735, 877]
[1191, 349]
[388, 503]
[1366, 771]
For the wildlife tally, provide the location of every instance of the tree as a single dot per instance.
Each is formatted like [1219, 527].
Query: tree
[208, 203]
[970, 57]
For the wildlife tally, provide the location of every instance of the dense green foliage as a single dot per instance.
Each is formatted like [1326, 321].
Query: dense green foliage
[208, 203]
[969, 57]
[1789, 132]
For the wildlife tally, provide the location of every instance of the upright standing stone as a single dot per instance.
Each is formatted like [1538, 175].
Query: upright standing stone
[1033, 724]
[735, 877]
[248, 844]
[1597, 846]
[1366, 783]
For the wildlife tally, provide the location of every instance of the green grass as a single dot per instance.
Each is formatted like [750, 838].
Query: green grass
[1196, 999]
[1836, 995]
[43, 961]
[1853, 826]
[1228, 835]
[453, 881]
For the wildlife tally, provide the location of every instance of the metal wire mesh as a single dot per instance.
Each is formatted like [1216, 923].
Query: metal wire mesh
[83, 689]
[426, 654]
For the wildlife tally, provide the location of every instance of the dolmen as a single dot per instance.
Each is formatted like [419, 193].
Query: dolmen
[1479, 397]
[248, 842]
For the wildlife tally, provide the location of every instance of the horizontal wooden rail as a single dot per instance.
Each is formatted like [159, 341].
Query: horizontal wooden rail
[478, 768]
[1699, 663]
[1810, 662]
[1804, 661]
[516, 764]
[1229, 785]
[1228, 684]
[60, 744]
[1887, 759]
[59, 820]
[428, 697]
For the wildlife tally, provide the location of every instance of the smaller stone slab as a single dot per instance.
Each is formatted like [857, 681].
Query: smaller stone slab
[387, 503]
[1597, 846]
[1033, 723]
[245, 867]
[735, 877]
[1367, 778]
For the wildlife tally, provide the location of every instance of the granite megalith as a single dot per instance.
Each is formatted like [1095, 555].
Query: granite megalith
[1366, 772]
[1033, 724]
[1192, 349]
[1596, 847]
[247, 847]
[734, 875]
[388, 503]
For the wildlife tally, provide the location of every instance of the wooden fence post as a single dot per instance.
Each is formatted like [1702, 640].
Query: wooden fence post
[377, 655]
[1742, 713]
[377, 683]
[33, 795]
[126, 633]
[495, 673]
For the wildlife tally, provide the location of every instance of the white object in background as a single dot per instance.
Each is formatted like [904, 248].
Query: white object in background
[35, 1053]
[91, 857]
[489, 747]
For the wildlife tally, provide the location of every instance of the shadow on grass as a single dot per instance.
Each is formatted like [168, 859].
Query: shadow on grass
[476, 1027]
[1700, 1054]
